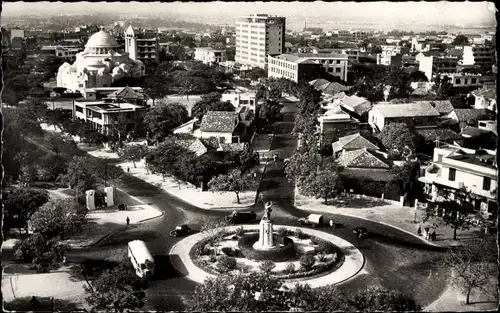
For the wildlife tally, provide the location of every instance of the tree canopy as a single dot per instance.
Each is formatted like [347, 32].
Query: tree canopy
[460, 40]
[235, 181]
[20, 204]
[163, 117]
[399, 137]
[210, 102]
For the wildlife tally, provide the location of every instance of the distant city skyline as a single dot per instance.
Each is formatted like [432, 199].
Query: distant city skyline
[389, 14]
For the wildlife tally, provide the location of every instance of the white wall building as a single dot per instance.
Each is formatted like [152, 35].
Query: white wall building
[209, 55]
[142, 46]
[98, 65]
[239, 98]
[257, 36]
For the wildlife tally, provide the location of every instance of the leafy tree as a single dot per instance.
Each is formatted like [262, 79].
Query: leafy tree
[270, 111]
[267, 266]
[399, 79]
[460, 40]
[473, 266]
[326, 182]
[457, 210]
[256, 73]
[49, 167]
[212, 227]
[78, 175]
[20, 204]
[58, 218]
[133, 153]
[376, 299]
[57, 117]
[234, 181]
[162, 118]
[400, 137]
[248, 159]
[164, 158]
[40, 250]
[116, 290]
[210, 102]
[443, 87]
[418, 76]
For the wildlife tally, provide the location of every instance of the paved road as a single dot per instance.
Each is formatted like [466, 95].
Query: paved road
[394, 259]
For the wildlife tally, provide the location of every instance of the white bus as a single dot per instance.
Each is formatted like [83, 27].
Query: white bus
[141, 258]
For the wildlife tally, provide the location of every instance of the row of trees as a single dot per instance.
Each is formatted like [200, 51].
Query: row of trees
[259, 292]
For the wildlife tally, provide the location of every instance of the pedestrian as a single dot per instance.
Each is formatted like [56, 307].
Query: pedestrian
[34, 304]
[128, 221]
[64, 260]
[275, 157]
[427, 233]
[128, 169]
[419, 230]
[331, 223]
[52, 304]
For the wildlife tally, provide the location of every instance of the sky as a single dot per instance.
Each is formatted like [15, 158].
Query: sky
[418, 12]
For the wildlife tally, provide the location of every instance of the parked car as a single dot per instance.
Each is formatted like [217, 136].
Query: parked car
[241, 217]
[361, 232]
[181, 230]
[312, 219]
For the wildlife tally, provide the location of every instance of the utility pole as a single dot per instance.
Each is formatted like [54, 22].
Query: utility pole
[105, 173]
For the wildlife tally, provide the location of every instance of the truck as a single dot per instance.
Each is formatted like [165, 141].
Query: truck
[312, 219]
[141, 258]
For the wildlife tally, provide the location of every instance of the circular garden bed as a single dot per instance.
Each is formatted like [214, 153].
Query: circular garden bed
[233, 253]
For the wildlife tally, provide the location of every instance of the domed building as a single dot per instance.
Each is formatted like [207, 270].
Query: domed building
[98, 65]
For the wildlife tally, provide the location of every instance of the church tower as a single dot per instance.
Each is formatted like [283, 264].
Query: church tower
[130, 43]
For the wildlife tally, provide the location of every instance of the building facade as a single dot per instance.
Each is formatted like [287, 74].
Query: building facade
[258, 36]
[432, 65]
[239, 98]
[419, 114]
[102, 115]
[142, 46]
[209, 55]
[98, 65]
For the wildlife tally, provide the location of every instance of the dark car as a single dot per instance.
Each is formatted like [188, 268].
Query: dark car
[241, 217]
[181, 230]
[361, 232]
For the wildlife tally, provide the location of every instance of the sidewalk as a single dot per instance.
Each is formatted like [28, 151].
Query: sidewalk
[103, 223]
[60, 285]
[396, 216]
[184, 190]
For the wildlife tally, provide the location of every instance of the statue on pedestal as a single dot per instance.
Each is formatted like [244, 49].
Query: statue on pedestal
[267, 210]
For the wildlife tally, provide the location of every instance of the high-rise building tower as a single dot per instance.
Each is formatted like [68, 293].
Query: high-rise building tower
[142, 46]
[257, 36]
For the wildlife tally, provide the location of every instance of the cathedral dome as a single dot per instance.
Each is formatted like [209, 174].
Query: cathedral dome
[101, 39]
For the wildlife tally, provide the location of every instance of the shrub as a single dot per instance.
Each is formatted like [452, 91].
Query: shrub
[282, 232]
[235, 237]
[300, 234]
[227, 263]
[315, 240]
[290, 268]
[326, 247]
[267, 266]
[206, 250]
[307, 262]
[240, 231]
[227, 251]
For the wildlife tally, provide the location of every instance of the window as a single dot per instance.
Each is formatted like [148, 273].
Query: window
[458, 81]
[486, 183]
[78, 109]
[473, 80]
[452, 174]
[338, 61]
[440, 158]
[222, 139]
[337, 70]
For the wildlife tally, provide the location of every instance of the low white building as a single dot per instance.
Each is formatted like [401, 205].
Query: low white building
[102, 115]
[464, 79]
[220, 125]
[456, 167]
[209, 55]
[240, 98]
[486, 98]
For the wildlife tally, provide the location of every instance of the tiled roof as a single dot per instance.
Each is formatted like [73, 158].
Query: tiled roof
[362, 158]
[372, 174]
[442, 106]
[407, 109]
[353, 142]
[318, 82]
[126, 93]
[444, 134]
[218, 121]
[490, 93]
[335, 88]
[210, 143]
[464, 115]
[194, 145]
[353, 101]
[232, 147]
[473, 132]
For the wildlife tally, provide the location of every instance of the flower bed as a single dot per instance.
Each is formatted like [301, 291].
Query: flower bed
[321, 246]
[280, 254]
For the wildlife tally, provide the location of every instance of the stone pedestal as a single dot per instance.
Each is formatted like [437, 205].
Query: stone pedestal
[90, 199]
[110, 195]
[265, 236]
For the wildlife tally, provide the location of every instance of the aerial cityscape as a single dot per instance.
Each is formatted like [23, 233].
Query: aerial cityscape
[249, 156]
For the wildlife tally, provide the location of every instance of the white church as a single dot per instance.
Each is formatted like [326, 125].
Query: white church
[98, 65]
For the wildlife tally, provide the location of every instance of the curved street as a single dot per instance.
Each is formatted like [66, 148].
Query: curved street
[393, 259]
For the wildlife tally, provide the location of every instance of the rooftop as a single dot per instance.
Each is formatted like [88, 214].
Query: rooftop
[104, 107]
[484, 160]
[406, 110]
[353, 101]
[442, 106]
[362, 158]
[353, 142]
[218, 121]
[465, 115]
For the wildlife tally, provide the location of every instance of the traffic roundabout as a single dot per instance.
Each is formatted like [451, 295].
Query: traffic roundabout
[339, 263]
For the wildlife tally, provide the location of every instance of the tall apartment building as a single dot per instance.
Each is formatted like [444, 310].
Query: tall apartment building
[142, 46]
[432, 65]
[257, 36]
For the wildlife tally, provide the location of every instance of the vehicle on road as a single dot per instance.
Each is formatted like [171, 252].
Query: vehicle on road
[312, 219]
[241, 217]
[361, 232]
[141, 258]
[181, 230]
